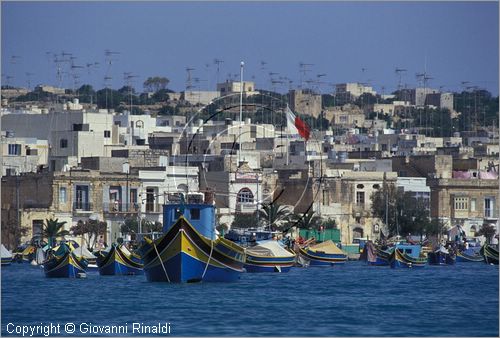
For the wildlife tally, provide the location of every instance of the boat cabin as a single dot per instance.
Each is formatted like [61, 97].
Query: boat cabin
[410, 249]
[195, 207]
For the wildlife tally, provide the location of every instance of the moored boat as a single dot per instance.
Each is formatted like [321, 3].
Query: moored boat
[189, 250]
[63, 263]
[407, 256]
[268, 256]
[119, 261]
[441, 256]
[490, 253]
[376, 255]
[470, 255]
[6, 255]
[323, 254]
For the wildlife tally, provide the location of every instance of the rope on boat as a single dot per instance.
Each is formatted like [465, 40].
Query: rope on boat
[208, 261]
[159, 258]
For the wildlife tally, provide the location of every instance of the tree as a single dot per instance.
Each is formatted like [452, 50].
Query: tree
[242, 220]
[405, 214]
[12, 233]
[274, 215]
[53, 229]
[307, 220]
[92, 228]
[149, 226]
[488, 231]
[156, 83]
[130, 226]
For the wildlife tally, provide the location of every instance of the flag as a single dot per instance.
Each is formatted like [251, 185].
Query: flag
[296, 125]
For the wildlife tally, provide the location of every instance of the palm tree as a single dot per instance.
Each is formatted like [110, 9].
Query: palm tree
[307, 220]
[54, 229]
[273, 215]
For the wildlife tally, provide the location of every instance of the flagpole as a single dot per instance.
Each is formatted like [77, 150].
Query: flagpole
[242, 64]
[287, 140]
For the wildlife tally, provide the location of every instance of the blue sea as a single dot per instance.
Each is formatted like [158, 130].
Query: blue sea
[353, 300]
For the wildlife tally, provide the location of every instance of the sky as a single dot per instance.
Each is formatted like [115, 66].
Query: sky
[452, 42]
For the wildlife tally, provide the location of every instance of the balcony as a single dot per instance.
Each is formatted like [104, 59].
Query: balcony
[113, 208]
[82, 207]
[247, 208]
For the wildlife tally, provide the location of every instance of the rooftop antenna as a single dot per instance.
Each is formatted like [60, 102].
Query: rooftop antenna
[189, 80]
[400, 72]
[303, 71]
[14, 59]
[28, 79]
[109, 57]
[218, 62]
[107, 80]
[128, 77]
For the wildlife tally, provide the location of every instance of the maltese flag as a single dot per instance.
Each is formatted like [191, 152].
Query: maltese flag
[296, 125]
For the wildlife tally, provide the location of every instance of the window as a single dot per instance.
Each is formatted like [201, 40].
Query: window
[62, 195]
[63, 143]
[195, 213]
[360, 198]
[488, 207]
[326, 200]
[107, 133]
[461, 203]
[14, 149]
[245, 196]
[150, 199]
[473, 204]
[472, 231]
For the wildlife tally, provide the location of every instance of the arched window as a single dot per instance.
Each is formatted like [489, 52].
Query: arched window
[139, 124]
[245, 196]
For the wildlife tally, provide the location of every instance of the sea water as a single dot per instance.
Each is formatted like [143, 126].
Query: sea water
[350, 300]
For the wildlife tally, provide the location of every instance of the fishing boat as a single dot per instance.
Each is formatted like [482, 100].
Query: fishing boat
[62, 262]
[6, 255]
[441, 256]
[189, 250]
[407, 256]
[323, 254]
[471, 255]
[29, 253]
[490, 253]
[119, 261]
[81, 251]
[376, 255]
[268, 256]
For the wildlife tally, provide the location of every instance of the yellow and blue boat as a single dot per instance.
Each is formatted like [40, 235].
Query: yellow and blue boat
[189, 250]
[470, 255]
[268, 256]
[63, 263]
[119, 261]
[323, 254]
[441, 256]
[490, 253]
[407, 256]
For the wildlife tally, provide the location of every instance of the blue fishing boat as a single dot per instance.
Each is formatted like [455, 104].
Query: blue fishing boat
[407, 256]
[376, 255]
[119, 261]
[490, 253]
[268, 256]
[323, 254]
[470, 255]
[441, 256]
[6, 255]
[189, 250]
[63, 263]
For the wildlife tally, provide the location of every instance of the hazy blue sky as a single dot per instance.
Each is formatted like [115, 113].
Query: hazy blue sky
[457, 41]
